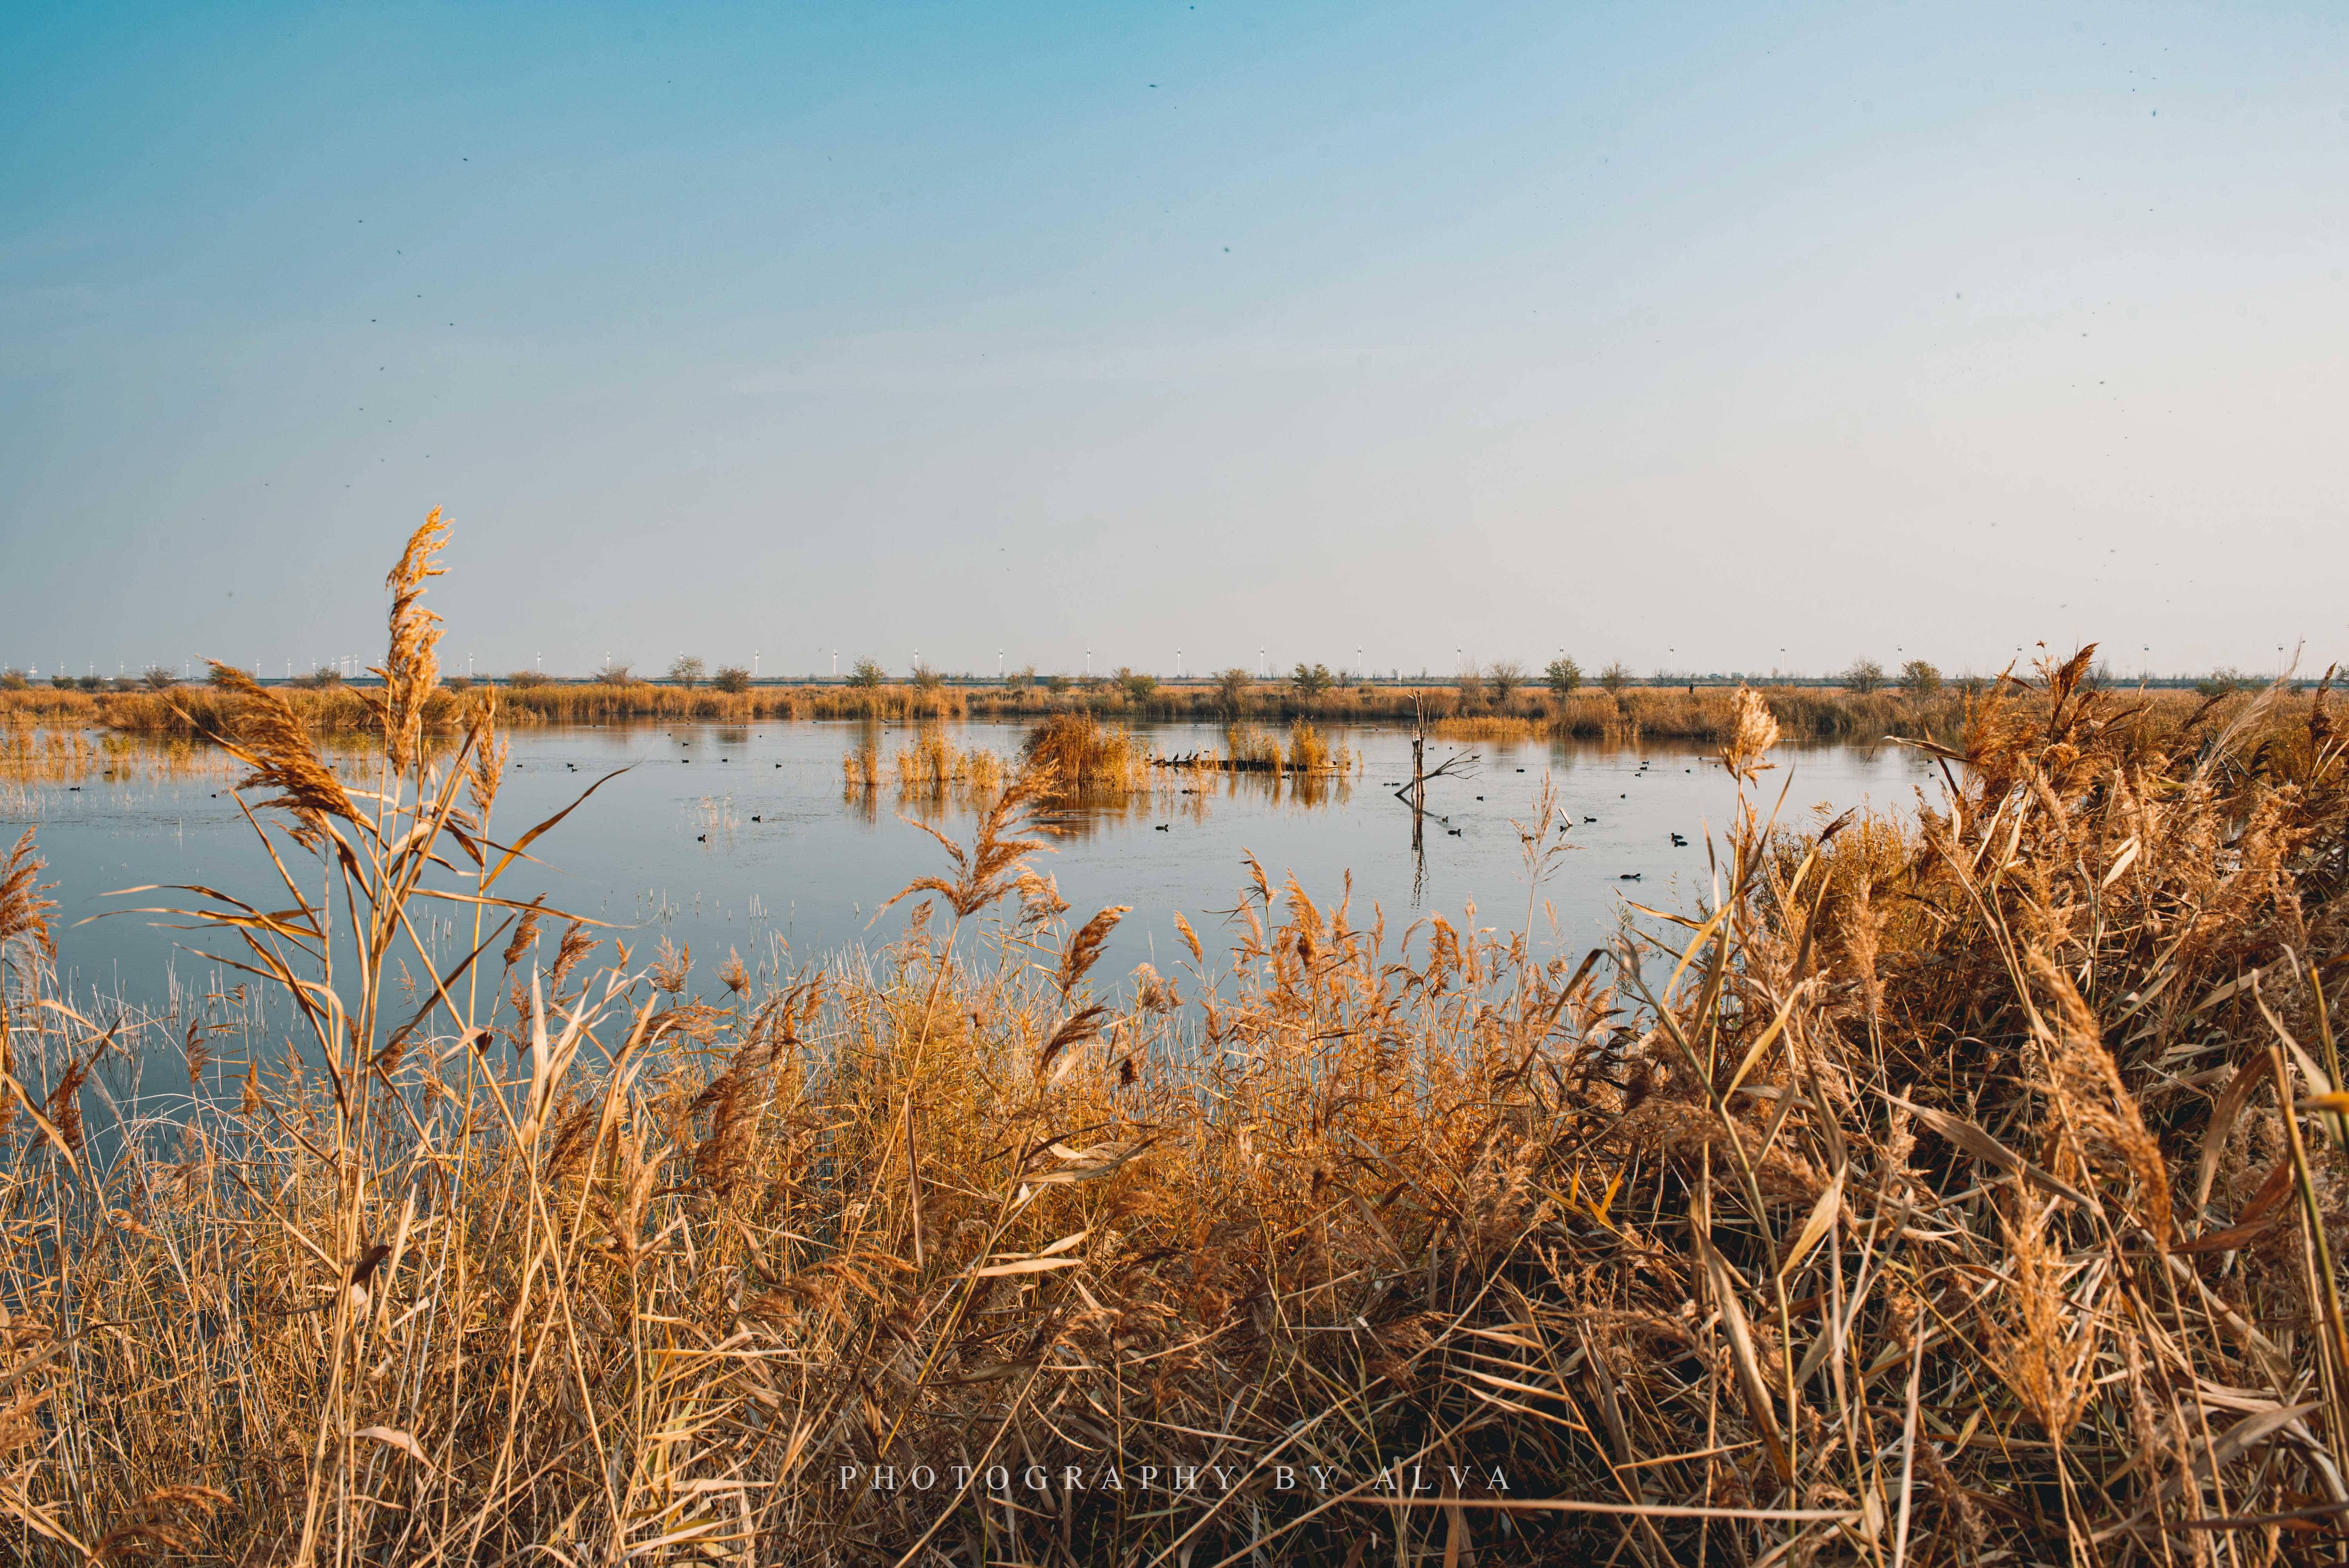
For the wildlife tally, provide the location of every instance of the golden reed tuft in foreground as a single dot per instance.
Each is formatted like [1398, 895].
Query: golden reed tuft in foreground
[1961, 1191]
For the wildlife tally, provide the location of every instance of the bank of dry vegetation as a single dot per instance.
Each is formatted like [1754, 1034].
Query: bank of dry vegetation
[1704, 714]
[1956, 1190]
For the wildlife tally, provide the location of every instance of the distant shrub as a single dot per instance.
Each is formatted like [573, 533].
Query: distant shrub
[1563, 676]
[1137, 686]
[687, 671]
[1312, 680]
[731, 678]
[1614, 677]
[13, 680]
[869, 675]
[2221, 682]
[615, 674]
[524, 679]
[1232, 691]
[1864, 676]
[1918, 679]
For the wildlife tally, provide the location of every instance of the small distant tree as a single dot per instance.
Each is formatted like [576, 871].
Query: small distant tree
[323, 676]
[1312, 680]
[1021, 679]
[869, 675]
[1972, 685]
[1138, 687]
[731, 678]
[62, 682]
[159, 677]
[1232, 691]
[1058, 684]
[687, 671]
[98, 683]
[926, 678]
[615, 673]
[1563, 676]
[1919, 679]
[523, 678]
[2220, 683]
[1614, 677]
[13, 680]
[1505, 676]
[1472, 687]
[1864, 676]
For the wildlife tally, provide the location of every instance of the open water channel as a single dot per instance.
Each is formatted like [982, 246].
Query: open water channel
[743, 840]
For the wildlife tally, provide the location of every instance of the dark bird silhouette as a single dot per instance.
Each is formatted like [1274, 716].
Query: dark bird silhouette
[1164, 828]
[1590, 819]
[700, 837]
[1631, 876]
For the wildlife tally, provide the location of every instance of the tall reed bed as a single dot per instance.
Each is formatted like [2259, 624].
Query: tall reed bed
[1706, 714]
[1962, 1190]
[930, 764]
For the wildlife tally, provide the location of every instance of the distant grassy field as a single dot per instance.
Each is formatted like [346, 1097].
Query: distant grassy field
[1961, 1189]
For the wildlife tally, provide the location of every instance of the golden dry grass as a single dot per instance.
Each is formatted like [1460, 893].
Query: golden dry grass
[1965, 1190]
[1086, 758]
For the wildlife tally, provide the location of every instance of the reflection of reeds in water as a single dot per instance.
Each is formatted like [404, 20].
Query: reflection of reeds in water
[716, 815]
[35, 756]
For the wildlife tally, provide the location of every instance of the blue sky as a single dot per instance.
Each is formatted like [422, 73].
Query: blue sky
[1713, 337]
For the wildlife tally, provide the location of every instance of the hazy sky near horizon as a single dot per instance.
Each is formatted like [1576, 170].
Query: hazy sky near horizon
[1713, 337]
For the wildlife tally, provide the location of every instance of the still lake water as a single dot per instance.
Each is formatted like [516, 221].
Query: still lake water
[742, 839]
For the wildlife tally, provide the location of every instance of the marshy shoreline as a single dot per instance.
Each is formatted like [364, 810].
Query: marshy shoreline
[1949, 1188]
[1706, 714]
